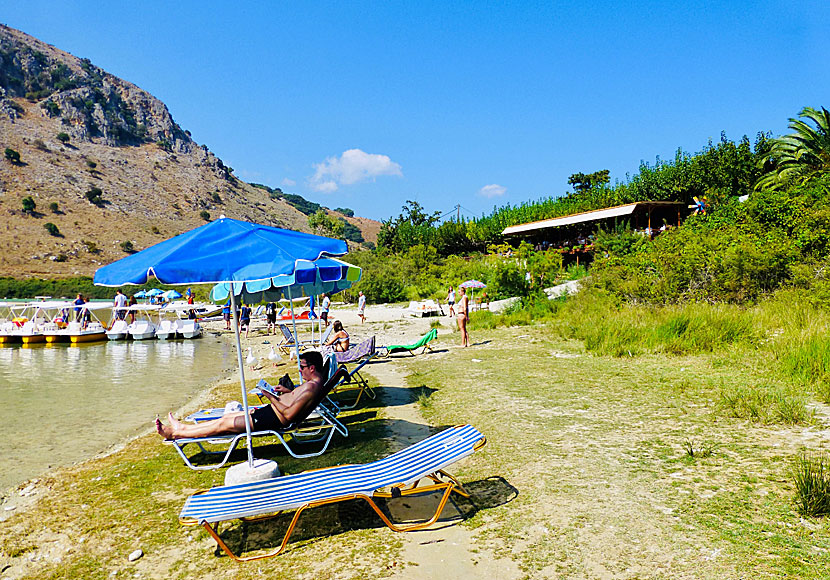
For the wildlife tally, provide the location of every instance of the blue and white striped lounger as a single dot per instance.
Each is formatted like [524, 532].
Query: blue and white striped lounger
[400, 473]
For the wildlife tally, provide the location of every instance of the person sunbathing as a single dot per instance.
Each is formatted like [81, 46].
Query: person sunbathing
[292, 406]
[339, 339]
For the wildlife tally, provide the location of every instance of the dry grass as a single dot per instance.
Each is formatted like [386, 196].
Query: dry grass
[598, 448]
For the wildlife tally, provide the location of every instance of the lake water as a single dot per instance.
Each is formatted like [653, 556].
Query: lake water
[60, 404]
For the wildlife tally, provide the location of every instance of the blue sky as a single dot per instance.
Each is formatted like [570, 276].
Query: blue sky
[367, 105]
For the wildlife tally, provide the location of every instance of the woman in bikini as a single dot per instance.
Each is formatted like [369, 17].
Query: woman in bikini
[462, 316]
[339, 339]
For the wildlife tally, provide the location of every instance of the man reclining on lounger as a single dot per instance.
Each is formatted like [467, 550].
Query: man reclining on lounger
[291, 407]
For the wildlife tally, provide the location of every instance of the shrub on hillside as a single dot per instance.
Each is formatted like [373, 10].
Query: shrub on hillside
[94, 195]
[63, 137]
[28, 204]
[52, 229]
[12, 155]
[127, 247]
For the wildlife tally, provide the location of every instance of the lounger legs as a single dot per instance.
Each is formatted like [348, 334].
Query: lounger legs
[440, 480]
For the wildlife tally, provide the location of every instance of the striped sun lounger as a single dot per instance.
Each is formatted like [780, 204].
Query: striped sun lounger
[397, 475]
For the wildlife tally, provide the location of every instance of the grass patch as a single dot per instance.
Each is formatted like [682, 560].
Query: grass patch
[811, 475]
[108, 507]
[764, 403]
[607, 473]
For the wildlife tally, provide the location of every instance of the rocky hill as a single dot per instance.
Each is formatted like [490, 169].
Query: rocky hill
[95, 167]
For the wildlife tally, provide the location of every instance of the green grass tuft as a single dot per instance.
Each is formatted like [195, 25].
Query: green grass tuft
[811, 474]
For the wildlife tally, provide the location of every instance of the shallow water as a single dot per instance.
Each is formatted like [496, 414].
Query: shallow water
[60, 404]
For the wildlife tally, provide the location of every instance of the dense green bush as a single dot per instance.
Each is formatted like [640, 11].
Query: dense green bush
[12, 155]
[94, 195]
[28, 204]
[52, 229]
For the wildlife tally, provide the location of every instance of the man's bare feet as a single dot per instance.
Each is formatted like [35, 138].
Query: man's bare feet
[175, 424]
[163, 429]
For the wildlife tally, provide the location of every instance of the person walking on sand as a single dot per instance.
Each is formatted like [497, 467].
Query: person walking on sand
[361, 307]
[451, 301]
[292, 406]
[463, 314]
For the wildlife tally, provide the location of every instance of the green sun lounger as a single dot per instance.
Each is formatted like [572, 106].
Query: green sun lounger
[423, 343]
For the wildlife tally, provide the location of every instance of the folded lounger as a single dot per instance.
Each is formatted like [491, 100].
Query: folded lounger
[423, 343]
[290, 341]
[313, 429]
[397, 475]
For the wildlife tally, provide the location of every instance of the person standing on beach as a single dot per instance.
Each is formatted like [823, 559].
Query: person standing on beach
[451, 301]
[226, 314]
[463, 314]
[271, 317]
[245, 319]
[324, 309]
[361, 307]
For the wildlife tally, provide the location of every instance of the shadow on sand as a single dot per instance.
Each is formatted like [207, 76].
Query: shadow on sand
[356, 514]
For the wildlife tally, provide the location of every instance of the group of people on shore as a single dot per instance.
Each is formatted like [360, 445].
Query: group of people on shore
[294, 403]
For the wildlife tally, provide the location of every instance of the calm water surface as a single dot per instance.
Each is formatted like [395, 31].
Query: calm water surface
[60, 404]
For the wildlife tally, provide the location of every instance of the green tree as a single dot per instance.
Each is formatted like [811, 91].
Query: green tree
[12, 155]
[799, 157]
[324, 224]
[583, 182]
[53, 207]
[205, 215]
[63, 137]
[52, 229]
[127, 247]
[29, 204]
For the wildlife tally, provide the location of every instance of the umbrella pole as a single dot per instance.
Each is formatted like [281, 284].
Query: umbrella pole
[296, 338]
[242, 377]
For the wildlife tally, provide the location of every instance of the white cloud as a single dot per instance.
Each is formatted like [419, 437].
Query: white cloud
[288, 182]
[492, 190]
[351, 167]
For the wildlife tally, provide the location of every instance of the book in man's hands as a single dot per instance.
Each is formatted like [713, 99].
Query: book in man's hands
[265, 387]
[285, 382]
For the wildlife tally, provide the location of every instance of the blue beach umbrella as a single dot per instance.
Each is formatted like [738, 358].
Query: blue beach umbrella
[223, 251]
[140, 294]
[171, 295]
[150, 293]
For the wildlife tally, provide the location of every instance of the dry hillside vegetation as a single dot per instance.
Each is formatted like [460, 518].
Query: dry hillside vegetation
[106, 164]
